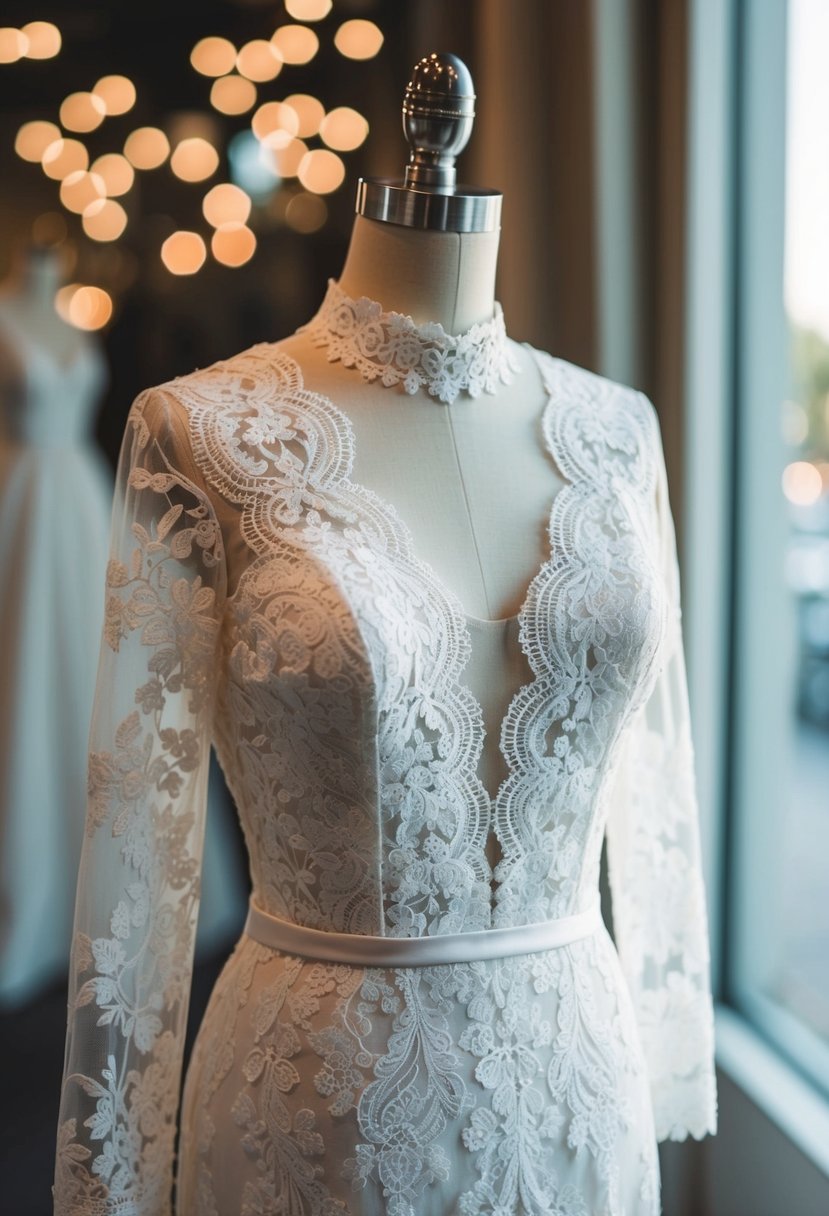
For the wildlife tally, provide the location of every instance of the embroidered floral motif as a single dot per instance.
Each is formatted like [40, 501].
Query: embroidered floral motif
[392, 348]
[331, 680]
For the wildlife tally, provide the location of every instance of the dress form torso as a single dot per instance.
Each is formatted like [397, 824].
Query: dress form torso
[472, 479]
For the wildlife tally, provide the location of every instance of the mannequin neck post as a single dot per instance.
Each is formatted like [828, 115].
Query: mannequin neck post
[443, 277]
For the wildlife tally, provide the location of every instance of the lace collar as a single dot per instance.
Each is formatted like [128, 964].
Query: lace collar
[392, 348]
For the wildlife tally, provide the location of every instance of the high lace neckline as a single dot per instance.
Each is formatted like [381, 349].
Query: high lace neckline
[392, 348]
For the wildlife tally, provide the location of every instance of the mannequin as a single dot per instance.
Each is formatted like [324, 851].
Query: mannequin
[367, 580]
[472, 479]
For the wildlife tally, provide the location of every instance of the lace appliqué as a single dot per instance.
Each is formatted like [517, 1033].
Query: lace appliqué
[392, 348]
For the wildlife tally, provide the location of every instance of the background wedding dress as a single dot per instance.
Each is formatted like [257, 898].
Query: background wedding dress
[260, 597]
[55, 502]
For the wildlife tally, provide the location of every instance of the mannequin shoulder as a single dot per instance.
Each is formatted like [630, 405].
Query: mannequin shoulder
[561, 375]
[171, 402]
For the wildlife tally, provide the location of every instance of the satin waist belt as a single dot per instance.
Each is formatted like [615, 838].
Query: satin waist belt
[370, 951]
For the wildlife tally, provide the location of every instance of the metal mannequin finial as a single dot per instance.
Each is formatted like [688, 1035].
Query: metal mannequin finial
[438, 112]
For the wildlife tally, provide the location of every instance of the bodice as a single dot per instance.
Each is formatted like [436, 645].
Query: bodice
[347, 719]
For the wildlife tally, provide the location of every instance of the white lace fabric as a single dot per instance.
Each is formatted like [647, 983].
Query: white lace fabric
[331, 681]
[394, 349]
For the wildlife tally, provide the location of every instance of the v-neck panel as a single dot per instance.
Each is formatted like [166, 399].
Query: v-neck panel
[355, 491]
[321, 487]
[541, 427]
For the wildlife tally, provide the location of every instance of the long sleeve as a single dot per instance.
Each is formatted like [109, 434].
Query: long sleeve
[656, 880]
[138, 884]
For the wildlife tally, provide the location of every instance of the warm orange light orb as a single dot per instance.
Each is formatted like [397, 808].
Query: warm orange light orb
[259, 60]
[44, 40]
[233, 244]
[226, 204]
[308, 10]
[79, 189]
[286, 160]
[147, 148]
[343, 129]
[104, 220]
[116, 171]
[117, 93]
[321, 171]
[275, 123]
[194, 160]
[84, 307]
[34, 138]
[309, 111]
[213, 56]
[358, 39]
[183, 252]
[82, 112]
[64, 156]
[296, 43]
[13, 44]
[232, 95]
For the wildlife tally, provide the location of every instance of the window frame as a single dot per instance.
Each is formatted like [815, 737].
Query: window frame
[736, 343]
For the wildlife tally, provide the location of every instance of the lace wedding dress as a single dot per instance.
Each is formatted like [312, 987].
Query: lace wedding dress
[402, 1028]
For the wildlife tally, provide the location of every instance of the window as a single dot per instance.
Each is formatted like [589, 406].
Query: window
[779, 877]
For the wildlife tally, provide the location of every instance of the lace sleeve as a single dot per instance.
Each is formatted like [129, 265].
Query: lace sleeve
[655, 871]
[138, 884]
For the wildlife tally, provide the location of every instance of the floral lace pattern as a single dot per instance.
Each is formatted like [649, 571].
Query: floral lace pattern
[331, 680]
[394, 349]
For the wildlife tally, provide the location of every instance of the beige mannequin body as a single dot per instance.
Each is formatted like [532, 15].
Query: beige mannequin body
[472, 480]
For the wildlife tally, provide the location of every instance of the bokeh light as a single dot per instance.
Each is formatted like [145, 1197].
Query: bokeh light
[84, 307]
[358, 39]
[43, 38]
[286, 161]
[309, 111]
[275, 123]
[34, 138]
[147, 148]
[193, 160]
[802, 483]
[259, 60]
[79, 189]
[296, 43]
[183, 252]
[226, 204]
[213, 56]
[116, 171]
[104, 220]
[232, 95]
[308, 10]
[321, 171]
[306, 212]
[64, 156]
[343, 129]
[233, 244]
[117, 93]
[13, 44]
[251, 166]
[82, 112]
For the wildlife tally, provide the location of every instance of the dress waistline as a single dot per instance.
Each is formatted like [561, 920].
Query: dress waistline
[362, 949]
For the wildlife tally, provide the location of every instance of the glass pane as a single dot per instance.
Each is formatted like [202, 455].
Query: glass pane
[798, 979]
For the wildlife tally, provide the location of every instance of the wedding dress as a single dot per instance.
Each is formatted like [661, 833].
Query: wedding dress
[55, 486]
[401, 1028]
